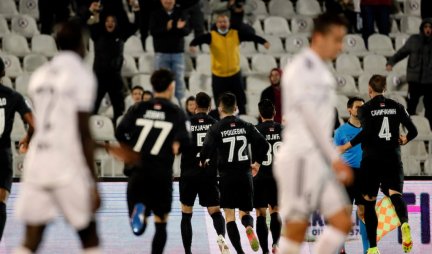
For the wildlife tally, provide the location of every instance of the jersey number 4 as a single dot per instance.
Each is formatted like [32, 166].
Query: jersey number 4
[240, 153]
[385, 129]
[148, 125]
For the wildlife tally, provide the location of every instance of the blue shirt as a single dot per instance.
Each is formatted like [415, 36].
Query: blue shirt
[343, 135]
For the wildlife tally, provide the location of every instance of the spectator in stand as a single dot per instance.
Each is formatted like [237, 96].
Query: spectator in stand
[345, 7]
[137, 94]
[194, 15]
[418, 49]
[168, 28]
[146, 9]
[426, 9]
[273, 93]
[241, 13]
[147, 95]
[190, 106]
[375, 11]
[51, 13]
[225, 59]
[109, 41]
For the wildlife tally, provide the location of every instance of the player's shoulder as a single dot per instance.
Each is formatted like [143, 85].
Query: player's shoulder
[7, 91]
[202, 118]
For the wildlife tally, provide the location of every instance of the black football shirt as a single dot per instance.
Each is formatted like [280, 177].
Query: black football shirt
[272, 131]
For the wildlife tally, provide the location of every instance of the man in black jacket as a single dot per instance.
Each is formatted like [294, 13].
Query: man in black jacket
[168, 28]
[273, 93]
[418, 49]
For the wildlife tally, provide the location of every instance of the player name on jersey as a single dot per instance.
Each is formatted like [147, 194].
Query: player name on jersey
[199, 128]
[3, 101]
[380, 112]
[272, 137]
[233, 132]
[155, 115]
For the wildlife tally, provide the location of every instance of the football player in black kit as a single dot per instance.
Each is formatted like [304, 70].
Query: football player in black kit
[152, 133]
[229, 139]
[265, 189]
[195, 180]
[10, 102]
[381, 163]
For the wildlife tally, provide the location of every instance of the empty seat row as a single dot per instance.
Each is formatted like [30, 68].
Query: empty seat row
[15, 44]
[9, 9]
[24, 25]
[285, 9]
[30, 63]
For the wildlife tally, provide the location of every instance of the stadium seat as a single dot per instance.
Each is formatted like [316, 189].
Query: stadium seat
[133, 47]
[89, 60]
[423, 126]
[142, 80]
[203, 64]
[29, 7]
[428, 167]
[276, 48]
[188, 65]
[401, 67]
[262, 64]
[374, 63]
[247, 48]
[294, 43]
[250, 119]
[411, 166]
[346, 85]
[308, 7]
[33, 61]
[412, 7]
[330, 66]
[354, 44]
[397, 84]
[255, 86]
[44, 44]
[398, 98]
[199, 82]
[176, 166]
[394, 30]
[244, 66]
[341, 105]
[205, 48]
[258, 27]
[24, 25]
[12, 64]
[400, 40]
[348, 64]
[301, 25]
[276, 26]
[187, 41]
[381, 45]
[4, 28]
[410, 24]
[6, 81]
[281, 8]
[284, 60]
[149, 44]
[415, 149]
[146, 63]
[8, 8]
[260, 9]
[91, 45]
[363, 83]
[101, 128]
[21, 84]
[129, 67]
[16, 45]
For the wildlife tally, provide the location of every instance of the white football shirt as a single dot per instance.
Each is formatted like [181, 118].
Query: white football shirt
[308, 107]
[59, 90]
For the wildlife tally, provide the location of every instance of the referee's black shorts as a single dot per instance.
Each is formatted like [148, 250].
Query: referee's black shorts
[6, 169]
[205, 187]
[385, 172]
[236, 191]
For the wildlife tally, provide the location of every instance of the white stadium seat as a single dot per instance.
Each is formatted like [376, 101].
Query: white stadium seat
[21, 84]
[374, 63]
[396, 84]
[262, 64]
[348, 64]
[258, 27]
[294, 43]
[149, 44]
[89, 60]
[24, 25]
[133, 46]
[276, 26]
[284, 60]
[354, 44]
[250, 119]
[101, 128]
[255, 86]
[142, 80]
[423, 126]
[203, 64]
[301, 25]
[276, 46]
[308, 7]
[16, 45]
[363, 83]
[129, 67]
[398, 98]
[44, 44]
[8, 8]
[6, 81]
[146, 63]
[4, 28]
[12, 64]
[341, 106]
[381, 45]
[412, 7]
[415, 149]
[244, 66]
[394, 30]
[33, 61]
[346, 85]
[281, 8]
[199, 82]
[410, 24]
[260, 9]
[188, 65]
[29, 7]
[400, 40]
[247, 48]
[401, 67]
[411, 166]
[428, 167]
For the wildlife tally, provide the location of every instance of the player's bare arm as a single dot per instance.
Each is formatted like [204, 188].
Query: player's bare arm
[24, 142]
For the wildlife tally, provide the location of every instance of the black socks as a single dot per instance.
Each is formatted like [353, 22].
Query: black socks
[159, 238]
[219, 223]
[262, 232]
[234, 236]
[400, 207]
[275, 227]
[371, 222]
[186, 231]
[3, 216]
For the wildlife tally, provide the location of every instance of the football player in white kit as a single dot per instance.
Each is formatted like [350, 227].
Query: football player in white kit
[59, 171]
[303, 163]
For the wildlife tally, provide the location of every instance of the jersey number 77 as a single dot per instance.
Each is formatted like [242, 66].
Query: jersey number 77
[148, 125]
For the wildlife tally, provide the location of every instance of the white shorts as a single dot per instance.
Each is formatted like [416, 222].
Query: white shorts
[306, 184]
[38, 205]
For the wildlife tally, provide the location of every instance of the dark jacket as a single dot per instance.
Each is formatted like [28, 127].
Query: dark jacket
[418, 48]
[167, 41]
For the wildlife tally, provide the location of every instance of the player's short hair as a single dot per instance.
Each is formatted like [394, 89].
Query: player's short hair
[323, 22]
[203, 100]
[378, 83]
[228, 102]
[351, 101]
[70, 35]
[161, 79]
[137, 88]
[266, 109]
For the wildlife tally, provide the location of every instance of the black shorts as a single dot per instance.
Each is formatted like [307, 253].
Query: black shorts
[265, 192]
[6, 169]
[236, 191]
[154, 191]
[354, 190]
[385, 172]
[205, 187]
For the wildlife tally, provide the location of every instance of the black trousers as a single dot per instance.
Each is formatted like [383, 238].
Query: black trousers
[415, 91]
[51, 12]
[195, 17]
[146, 8]
[112, 84]
[233, 84]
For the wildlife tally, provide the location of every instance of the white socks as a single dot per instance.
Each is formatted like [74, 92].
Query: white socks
[287, 246]
[92, 250]
[22, 250]
[330, 241]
